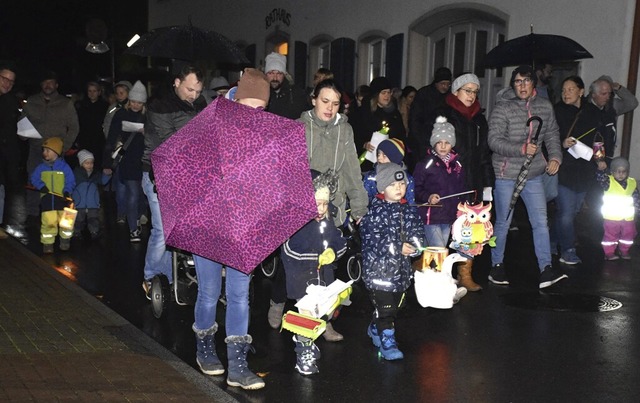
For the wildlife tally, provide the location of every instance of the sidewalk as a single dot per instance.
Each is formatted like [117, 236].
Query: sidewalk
[58, 343]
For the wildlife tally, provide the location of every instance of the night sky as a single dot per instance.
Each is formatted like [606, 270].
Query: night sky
[45, 34]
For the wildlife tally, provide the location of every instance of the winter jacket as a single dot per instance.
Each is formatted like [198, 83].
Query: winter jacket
[58, 179]
[433, 176]
[289, 102]
[422, 115]
[54, 118]
[472, 144]
[166, 116]
[366, 122]
[9, 143]
[578, 174]
[371, 186]
[90, 118]
[383, 230]
[130, 166]
[508, 135]
[330, 145]
[110, 113]
[86, 193]
[300, 255]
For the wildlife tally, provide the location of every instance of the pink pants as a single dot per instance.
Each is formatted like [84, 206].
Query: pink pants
[618, 234]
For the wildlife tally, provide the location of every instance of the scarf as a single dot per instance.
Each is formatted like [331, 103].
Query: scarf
[467, 112]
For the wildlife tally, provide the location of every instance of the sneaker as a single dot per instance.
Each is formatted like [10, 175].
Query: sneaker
[143, 220]
[146, 286]
[372, 332]
[47, 248]
[134, 236]
[389, 347]
[460, 292]
[569, 257]
[274, 316]
[550, 276]
[498, 275]
[611, 257]
[625, 256]
[306, 362]
[65, 244]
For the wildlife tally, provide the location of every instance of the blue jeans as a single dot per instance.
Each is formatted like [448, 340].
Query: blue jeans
[534, 199]
[568, 205]
[128, 200]
[158, 258]
[209, 275]
[437, 234]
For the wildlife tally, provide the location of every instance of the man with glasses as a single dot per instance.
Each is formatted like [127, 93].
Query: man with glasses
[511, 142]
[286, 99]
[9, 145]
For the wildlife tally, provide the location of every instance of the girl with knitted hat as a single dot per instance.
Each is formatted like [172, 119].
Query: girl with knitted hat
[391, 150]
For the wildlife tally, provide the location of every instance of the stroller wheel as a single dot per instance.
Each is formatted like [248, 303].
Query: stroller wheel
[159, 295]
[270, 265]
[354, 267]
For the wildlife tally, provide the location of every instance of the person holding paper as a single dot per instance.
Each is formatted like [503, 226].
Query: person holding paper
[578, 123]
[126, 136]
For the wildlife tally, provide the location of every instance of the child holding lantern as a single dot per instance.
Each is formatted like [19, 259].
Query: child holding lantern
[307, 258]
[55, 180]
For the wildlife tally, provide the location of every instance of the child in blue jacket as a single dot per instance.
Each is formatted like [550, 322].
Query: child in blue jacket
[54, 179]
[391, 233]
[391, 150]
[86, 195]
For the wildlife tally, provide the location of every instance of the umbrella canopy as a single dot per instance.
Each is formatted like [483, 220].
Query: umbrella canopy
[234, 184]
[186, 42]
[521, 181]
[533, 48]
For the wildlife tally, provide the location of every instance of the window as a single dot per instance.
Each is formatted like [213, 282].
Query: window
[376, 59]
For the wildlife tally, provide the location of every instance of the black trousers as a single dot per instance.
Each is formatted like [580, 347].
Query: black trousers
[386, 306]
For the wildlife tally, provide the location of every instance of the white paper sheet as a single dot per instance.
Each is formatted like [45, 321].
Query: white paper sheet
[132, 126]
[581, 150]
[26, 129]
[376, 139]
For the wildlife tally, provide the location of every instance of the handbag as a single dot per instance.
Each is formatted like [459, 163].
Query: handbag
[119, 152]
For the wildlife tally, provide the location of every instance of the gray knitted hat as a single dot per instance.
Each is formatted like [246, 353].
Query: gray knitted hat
[138, 93]
[464, 79]
[443, 130]
[388, 173]
[619, 162]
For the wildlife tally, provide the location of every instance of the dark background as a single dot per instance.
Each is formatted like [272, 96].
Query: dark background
[41, 35]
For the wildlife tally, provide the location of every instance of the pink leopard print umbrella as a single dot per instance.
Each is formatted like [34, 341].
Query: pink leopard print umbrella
[234, 184]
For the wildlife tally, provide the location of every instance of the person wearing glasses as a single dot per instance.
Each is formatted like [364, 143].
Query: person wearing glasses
[9, 145]
[464, 112]
[510, 139]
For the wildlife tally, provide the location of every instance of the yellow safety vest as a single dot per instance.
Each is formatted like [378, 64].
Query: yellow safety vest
[617, 203]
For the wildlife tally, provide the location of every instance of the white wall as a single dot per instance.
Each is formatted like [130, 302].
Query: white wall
[604, 28]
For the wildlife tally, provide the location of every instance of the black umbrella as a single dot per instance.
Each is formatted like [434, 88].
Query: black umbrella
[533, 48]
[521, 181]
[186, 42]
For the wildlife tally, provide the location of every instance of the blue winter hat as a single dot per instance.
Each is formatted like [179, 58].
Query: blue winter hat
[394, 149]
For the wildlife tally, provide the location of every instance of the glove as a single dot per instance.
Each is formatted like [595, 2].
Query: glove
[326, 257]
[487, 194]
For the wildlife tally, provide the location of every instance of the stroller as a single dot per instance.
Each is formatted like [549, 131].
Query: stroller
[184, 289]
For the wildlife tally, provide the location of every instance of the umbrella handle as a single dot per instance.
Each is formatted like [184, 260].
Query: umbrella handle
[539, 120]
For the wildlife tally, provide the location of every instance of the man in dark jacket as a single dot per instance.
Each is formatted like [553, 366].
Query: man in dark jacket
[286, 99]
[423, 109]
[9, 148]
[165, 117]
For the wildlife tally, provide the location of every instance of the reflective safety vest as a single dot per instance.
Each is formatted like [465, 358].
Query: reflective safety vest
[617, 203]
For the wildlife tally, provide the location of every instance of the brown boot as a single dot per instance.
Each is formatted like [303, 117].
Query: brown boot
[464, 276]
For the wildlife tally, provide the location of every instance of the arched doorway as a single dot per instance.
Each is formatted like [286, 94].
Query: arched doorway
[457, 37]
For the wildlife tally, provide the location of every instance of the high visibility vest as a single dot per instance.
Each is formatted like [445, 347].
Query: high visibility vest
[617, 203]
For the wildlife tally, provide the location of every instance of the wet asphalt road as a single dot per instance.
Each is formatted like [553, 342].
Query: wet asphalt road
[502, 344]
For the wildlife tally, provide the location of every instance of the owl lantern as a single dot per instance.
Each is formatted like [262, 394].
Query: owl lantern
[472, 229]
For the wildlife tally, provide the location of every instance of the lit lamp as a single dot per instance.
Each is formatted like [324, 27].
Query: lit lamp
[432, 258]
[68, 218]
[97, 48]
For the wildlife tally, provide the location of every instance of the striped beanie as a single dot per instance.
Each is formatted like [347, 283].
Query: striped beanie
[394, 149]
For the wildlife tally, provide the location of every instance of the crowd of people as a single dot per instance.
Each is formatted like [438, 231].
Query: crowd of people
[438, 150]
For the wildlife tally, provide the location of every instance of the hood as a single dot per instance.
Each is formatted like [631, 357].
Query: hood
[310, 117]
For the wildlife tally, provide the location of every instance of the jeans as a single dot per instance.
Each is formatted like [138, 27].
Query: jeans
[158, 258]
[568, 203]
[437, 234]
[128, 200]
[535, 200]
[209, 275]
